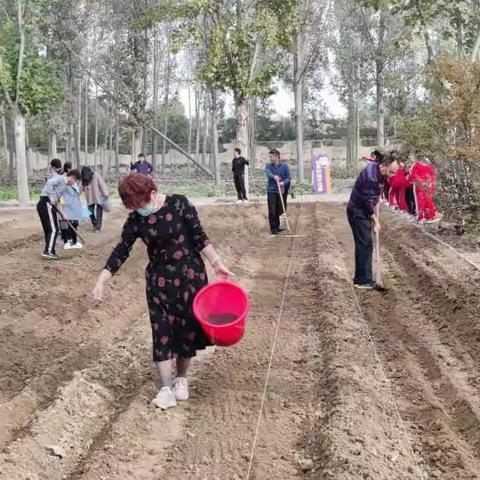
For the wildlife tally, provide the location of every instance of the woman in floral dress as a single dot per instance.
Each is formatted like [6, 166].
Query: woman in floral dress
[169, 227]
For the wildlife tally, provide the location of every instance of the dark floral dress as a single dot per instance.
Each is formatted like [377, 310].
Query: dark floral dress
[176, 273]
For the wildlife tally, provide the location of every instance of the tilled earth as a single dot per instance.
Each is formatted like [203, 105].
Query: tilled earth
[362, 386]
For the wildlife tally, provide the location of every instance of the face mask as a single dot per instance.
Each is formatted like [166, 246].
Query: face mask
[147, 210]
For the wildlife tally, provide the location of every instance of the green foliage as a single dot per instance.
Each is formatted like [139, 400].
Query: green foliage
[228, 40]
[40, 87]
[446, 128]
[456, 20]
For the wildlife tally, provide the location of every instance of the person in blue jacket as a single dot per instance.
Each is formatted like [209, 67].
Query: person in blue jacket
[278, 174]
[71, 209]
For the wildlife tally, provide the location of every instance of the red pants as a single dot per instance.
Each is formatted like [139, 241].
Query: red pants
[425, 206]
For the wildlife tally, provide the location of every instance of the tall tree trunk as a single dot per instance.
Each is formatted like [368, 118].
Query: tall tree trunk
[155, 99]
[190, 120]
[242, 133]
[476, 49]
[110, 140]
[252, 131]
[29, 153]
[214, 143]
[21, 157]
[137, 143]
[69, 144]
[117, 142]
[52, 146]
[380, 80]
[4, 138]
[105, 142]
[78, 127]
[205, 130]
[96, 128]
[86, 123]
[298, 95]
[166, 99]
[428, 45]
[350, 127]
[380, 108]
[11, 141]
[197, 124]
[356, 113]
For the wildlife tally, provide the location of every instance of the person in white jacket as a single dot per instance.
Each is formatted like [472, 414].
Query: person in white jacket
[47, 207]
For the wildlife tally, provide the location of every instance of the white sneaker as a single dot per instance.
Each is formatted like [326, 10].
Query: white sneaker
[180, 389]
[239, 202]
[77, 245]
[245, 201]
[165, 399]
[68, 246]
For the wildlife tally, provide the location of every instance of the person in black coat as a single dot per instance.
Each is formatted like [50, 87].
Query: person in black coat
[238, 169]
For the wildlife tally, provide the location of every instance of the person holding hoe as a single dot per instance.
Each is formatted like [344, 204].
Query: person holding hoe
[363, 215]
[278, 176]
[47, 207]
[169, 227]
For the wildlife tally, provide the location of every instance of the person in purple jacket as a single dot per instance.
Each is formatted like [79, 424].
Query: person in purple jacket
[141, 166]
[362, 216]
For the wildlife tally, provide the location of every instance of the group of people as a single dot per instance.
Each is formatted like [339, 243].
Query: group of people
[412, 189]
[60, 207]
[278, 185]
[386, 178]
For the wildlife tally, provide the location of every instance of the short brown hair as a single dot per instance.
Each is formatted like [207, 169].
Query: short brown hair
[135, 190]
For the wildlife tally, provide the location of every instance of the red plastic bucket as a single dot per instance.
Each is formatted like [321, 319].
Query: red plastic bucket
[222, 308]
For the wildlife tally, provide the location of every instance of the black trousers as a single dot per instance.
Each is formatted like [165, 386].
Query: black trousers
[275, 210]
[410, 198]
[96, 216]
[68, 233]
[239, 181]
[48, 217]
[362, 234]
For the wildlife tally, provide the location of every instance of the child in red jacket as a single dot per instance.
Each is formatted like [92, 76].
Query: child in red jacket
[398, 185]
[424, 178]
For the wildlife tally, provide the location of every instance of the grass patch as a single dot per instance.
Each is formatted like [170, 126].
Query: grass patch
[7, 192]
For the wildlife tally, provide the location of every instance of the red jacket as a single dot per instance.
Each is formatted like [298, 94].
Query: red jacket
[399, 182]
[424, 176]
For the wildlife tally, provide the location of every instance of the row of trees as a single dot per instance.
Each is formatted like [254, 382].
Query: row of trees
[106, 72]
[123, 63]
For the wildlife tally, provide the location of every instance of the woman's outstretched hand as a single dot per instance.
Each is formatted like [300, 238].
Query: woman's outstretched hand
[98, 291]
[222, 271]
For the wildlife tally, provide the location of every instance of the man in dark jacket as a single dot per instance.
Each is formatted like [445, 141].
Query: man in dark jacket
[141, 166]
[363, 218]
[238, 169]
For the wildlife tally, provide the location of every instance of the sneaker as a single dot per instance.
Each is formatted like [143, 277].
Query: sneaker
[165, 399]
[68, 246]
[364, 286]
[434, 220]
[239, 202]
[245, 200]
[77, 245]
[275, 232]
[180, 389]
[50, 255]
